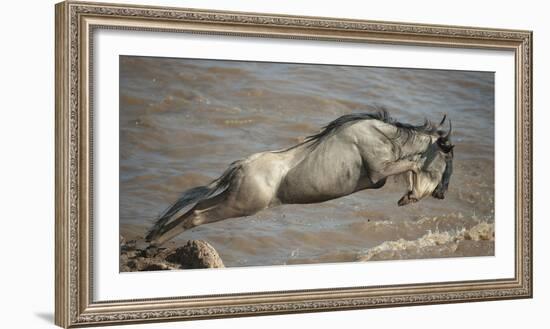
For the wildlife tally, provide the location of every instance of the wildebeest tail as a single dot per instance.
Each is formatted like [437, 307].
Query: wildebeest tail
[194, 195]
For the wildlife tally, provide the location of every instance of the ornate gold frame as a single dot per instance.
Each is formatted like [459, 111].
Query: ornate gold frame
[76, 22]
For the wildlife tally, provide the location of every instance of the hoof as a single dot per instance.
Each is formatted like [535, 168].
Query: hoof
[406, 199]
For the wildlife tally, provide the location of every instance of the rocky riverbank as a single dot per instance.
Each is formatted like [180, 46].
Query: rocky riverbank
[193, 255]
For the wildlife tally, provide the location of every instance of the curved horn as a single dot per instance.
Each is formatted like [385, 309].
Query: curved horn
[442, 121]
[450, 129]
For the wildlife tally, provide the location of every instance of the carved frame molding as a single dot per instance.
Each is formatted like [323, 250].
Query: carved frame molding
[76, 23]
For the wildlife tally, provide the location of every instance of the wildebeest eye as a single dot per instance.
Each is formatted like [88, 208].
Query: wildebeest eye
[445, 145]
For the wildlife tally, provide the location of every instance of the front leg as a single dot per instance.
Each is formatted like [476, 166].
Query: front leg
[396, 168]
[410, 180]
[408, 197]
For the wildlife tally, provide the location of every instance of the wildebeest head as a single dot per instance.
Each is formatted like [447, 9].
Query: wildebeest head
[436, 170]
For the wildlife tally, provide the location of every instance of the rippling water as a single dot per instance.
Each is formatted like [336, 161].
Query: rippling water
[182, 121]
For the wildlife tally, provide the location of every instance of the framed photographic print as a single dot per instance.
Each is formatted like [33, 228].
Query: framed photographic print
[218, 164]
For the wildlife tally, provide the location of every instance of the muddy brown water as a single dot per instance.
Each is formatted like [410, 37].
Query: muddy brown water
[182, 121]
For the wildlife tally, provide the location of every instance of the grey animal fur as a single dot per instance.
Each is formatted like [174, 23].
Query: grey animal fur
[350, 154]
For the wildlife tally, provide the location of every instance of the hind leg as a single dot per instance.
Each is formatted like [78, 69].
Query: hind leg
[204, 212]
[251, 190]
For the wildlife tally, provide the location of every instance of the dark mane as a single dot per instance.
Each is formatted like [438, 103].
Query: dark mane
[382, 115]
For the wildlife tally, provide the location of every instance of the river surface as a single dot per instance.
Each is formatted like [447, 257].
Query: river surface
[183, 121]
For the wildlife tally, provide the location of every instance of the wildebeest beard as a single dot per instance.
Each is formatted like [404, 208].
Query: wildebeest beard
[441, 189]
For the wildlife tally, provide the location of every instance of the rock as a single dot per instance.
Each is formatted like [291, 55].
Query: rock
[132, 264]
[130, 245]
[130, 254]
[482, 231]
[196, 254]
[145, 264]
[155, 264]
[150, 252]
[156, 267]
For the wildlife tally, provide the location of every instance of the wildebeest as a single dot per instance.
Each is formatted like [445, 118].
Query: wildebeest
[350, 154]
